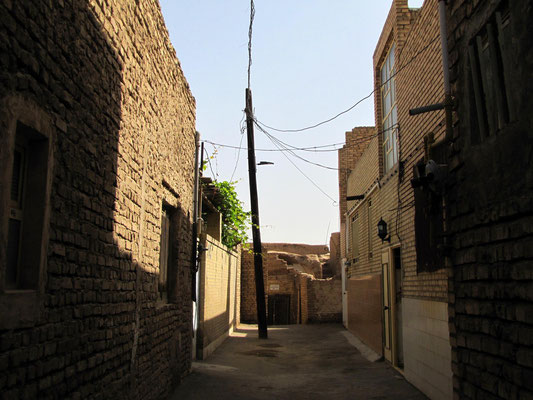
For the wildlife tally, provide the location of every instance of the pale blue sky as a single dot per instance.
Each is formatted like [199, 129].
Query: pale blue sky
[311, 60]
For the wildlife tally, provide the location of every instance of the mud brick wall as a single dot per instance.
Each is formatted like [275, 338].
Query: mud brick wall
[248, 300]
[320, 302]
[324, 300]
[102, 80]
[490, 217]
[220, 298]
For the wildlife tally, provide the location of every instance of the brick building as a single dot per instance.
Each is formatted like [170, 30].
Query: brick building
[295, 291]
[397, 291]
[97, 149]
[490, 198]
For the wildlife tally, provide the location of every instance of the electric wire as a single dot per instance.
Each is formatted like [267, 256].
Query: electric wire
[307, 177]
[359, 101]
[242, 129]
[209, 163]
[284, 145]
[313, 149]
[281, 146]
[309, 149]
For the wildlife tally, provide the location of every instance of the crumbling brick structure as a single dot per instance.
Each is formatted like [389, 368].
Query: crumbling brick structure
[490, 199]
[294, 290]
[96, 149]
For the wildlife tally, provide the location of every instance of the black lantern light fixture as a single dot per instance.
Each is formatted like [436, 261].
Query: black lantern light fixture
[382, 231]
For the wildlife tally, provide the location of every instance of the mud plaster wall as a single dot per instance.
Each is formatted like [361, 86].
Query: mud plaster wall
[103, 79]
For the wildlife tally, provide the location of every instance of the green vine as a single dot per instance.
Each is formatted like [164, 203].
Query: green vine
[235, 221]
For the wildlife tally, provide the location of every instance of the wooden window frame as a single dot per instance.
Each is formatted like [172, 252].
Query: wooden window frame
[389, 115]
[24, 123]
[490, 76]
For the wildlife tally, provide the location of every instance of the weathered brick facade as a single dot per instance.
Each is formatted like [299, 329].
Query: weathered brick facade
[356, 141]
[491, 204]
[219, 294]
[414, 299]
[292, 271]
[97, 83]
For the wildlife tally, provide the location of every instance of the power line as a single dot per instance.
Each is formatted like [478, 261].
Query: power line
[307, 177]
[359, 101]
[281, 146]
[242, 128]
[309, 149]
[209, 162]
[313, 149]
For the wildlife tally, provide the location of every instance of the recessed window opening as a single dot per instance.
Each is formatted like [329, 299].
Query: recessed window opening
[389, 113]
[27, 202]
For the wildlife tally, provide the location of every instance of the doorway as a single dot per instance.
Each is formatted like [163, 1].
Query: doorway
[391, 268]
[279, 309]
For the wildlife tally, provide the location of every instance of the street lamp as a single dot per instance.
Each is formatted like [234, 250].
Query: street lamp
[382, 231]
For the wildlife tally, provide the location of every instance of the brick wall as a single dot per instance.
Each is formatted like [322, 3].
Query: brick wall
[356, 141]
[414, 91]
[219, 306]
[248, 296]
[101, 80]
[365, 308]
[420, 296]
[311, 299]
[324, 300]
[490, 218]
[392, 200]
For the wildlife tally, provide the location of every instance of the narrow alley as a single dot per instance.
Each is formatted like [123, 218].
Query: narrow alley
[295, 362]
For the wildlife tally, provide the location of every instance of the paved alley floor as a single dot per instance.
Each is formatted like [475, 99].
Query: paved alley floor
[295, 362]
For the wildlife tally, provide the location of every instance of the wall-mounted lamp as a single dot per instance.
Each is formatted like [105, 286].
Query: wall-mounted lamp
[382, 231]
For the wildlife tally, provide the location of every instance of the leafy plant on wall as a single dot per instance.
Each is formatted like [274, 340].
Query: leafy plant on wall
[235, 221]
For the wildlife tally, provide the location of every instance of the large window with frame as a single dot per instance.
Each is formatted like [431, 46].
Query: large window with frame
[489, 56]
[389, 113]
[168, 254]
[27, 202]
[355, 237]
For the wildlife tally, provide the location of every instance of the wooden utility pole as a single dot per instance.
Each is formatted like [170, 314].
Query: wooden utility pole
[258, 252]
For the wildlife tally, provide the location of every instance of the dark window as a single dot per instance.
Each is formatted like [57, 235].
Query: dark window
[428, 230]
[489, 55]
[27, 202]
[355, 237]
[168, 255]
[370, 229]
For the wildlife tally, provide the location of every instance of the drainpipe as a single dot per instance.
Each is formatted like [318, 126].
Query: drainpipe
[195, 219]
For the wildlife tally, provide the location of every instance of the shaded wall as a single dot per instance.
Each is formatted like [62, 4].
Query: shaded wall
[102, 82]
[490, 213]
[219, 303]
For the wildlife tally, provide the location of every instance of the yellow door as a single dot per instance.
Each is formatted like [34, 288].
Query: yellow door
[387, 308]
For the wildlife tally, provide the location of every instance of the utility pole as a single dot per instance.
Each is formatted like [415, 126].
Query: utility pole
[256, 234]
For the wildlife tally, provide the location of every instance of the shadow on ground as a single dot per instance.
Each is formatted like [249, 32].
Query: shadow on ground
[296, 362]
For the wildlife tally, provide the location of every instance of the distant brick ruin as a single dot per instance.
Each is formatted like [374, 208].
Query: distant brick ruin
[301, 284]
